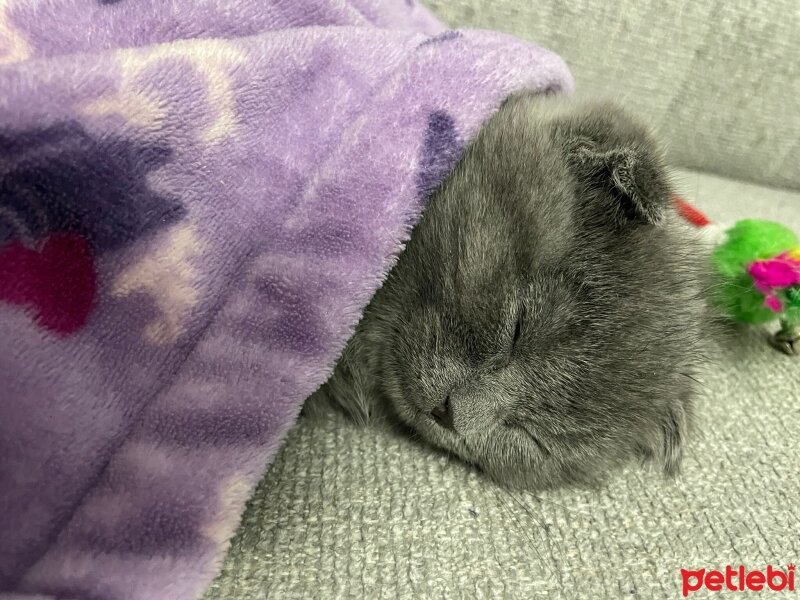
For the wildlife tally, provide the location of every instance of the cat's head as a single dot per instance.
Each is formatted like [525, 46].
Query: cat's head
[544, 321]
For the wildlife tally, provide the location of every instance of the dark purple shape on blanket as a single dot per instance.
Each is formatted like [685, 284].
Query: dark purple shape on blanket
[450, 34]
[61, 179]
[440, 151]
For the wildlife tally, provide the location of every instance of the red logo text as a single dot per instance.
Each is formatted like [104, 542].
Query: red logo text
[738, 580]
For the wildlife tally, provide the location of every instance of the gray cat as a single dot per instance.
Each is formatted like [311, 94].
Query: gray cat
[544, 320]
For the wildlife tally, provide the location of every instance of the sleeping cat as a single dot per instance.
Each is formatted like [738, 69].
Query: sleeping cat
[544, 320]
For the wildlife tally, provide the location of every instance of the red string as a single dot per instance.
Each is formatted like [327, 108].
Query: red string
[690, 213]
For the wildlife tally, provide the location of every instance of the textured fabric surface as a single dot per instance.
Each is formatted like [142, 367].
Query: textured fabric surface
[189, 230]
[720, 80]
[346, 512]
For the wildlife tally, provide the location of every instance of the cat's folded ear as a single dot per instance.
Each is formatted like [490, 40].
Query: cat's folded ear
[613, 157]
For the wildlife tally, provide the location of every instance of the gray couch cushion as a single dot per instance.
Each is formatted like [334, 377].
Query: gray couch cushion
[720, 80]
[347, 512]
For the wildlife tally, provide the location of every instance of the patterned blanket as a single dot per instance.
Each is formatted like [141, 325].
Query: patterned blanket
[197, 199]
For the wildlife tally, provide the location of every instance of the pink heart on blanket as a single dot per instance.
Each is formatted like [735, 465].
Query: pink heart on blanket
[56, 279]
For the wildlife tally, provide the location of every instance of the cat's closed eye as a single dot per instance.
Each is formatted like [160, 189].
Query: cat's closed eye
[517, 332]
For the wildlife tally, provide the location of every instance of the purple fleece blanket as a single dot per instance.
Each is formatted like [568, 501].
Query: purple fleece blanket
[197, 199]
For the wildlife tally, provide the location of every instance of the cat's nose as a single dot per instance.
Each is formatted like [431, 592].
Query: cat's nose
[443, 415]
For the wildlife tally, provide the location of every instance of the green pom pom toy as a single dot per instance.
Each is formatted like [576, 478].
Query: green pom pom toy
[758, 267]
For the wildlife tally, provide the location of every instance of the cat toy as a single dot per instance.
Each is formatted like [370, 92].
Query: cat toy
[758, 267]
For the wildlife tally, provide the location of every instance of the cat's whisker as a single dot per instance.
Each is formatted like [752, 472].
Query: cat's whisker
[512, 512]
